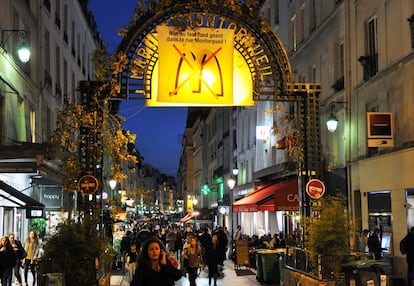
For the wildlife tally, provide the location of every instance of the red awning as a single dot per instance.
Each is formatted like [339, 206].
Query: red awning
[280, 196]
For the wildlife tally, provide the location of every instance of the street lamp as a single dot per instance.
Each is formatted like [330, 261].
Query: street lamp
[332, 122]
[112, 184]
[231, 182]
[23, 51]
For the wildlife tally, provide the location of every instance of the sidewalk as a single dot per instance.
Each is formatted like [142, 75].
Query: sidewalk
[229, 278]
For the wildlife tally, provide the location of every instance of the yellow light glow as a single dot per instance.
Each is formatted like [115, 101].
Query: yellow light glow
[242, 85]
[199, 68]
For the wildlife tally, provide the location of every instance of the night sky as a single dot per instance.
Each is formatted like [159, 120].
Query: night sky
[159, 130]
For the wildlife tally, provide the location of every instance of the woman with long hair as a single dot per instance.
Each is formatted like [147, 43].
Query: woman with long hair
[154, 268]
[31, 246]
[6, 260]
[193, 253]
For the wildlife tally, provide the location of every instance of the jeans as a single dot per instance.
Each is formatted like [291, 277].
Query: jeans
[16, 271]
[29, 265]
[192, 275]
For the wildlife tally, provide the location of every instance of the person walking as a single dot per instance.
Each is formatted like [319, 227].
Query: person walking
[363, 240]
[131, 259]
[238, 233]
[6, 260]
[31, 246]
[125, 247]
[374, 244]
[222, 240]
[407, 248]
[193, 253]
[19, 255]
[153, 267]
[212, 254]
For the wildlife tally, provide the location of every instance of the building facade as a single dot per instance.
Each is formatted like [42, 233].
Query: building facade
[362, 54]
[62, 36]
[364, 65]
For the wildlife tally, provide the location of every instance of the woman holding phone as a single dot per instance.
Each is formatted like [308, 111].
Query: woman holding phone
[153, 267]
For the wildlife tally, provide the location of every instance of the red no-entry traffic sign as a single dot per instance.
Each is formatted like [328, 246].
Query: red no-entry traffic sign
[315, 189]
[88, 184]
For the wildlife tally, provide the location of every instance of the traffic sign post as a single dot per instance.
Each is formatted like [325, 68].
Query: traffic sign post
[88, 184]
[315, 189]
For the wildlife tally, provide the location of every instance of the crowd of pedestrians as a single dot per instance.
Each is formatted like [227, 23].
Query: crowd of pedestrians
[15, 255]
[166, 254]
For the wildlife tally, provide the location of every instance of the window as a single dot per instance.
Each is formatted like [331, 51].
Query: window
[33, 126]
[379, 202]
[312, 15]
[340, 61]
[293, 39]
[312, 73]
[65, 24]
[372, 38]
[73, 39]
[339, 68]
[57, 14]
[276, 11]
[301, 24]
[369, 61]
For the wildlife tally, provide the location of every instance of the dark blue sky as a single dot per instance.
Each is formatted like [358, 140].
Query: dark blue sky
[158, 130]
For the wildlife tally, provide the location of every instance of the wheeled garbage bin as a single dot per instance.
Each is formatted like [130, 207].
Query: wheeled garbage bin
[271, 266]
[259, 265]
[367, 272]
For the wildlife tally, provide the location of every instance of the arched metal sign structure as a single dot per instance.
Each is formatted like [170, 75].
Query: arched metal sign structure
[261, 49]
[253, 39]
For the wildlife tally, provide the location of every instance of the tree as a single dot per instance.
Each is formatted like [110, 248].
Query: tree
[329, 234]
[76, 250]
[102, 121]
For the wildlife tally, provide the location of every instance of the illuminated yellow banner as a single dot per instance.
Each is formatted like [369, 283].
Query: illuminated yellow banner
[195, 66]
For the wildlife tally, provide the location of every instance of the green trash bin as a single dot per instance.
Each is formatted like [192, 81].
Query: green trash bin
[55, 279]
[271, 266]
[259, 265]
[282, 263]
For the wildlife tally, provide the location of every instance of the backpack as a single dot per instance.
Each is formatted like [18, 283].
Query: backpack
[403, 247]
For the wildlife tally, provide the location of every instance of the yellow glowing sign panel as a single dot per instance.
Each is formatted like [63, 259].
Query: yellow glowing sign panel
[199, 68]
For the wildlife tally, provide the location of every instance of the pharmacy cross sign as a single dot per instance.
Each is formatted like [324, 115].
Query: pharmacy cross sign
[88, 184]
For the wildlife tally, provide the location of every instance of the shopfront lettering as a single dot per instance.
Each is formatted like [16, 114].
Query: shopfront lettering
[51, 197]
[292, 198]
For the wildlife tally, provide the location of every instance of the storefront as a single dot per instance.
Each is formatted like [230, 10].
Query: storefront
[274, 207]
[15, 209]
[382, 196]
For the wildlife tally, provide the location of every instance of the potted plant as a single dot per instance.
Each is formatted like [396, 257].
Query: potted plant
[77, 251]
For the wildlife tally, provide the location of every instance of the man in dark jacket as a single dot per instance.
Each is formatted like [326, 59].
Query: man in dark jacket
[374, 244]
[19, 254]
[407, 247]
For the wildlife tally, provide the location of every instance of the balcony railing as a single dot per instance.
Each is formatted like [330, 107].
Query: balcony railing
[370, 65]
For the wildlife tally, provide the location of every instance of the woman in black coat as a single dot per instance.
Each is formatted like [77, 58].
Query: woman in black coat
[6, 260]
[153, 266]
[213, 250]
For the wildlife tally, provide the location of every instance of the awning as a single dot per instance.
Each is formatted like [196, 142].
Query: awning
[280, 196]
[10, 197]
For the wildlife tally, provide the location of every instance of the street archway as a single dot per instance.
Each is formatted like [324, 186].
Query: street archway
[254, 41]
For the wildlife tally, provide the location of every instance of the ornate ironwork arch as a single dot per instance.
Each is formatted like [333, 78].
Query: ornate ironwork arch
[254, 40]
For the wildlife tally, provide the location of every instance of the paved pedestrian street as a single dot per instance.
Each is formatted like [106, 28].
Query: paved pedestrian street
[229, 277]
